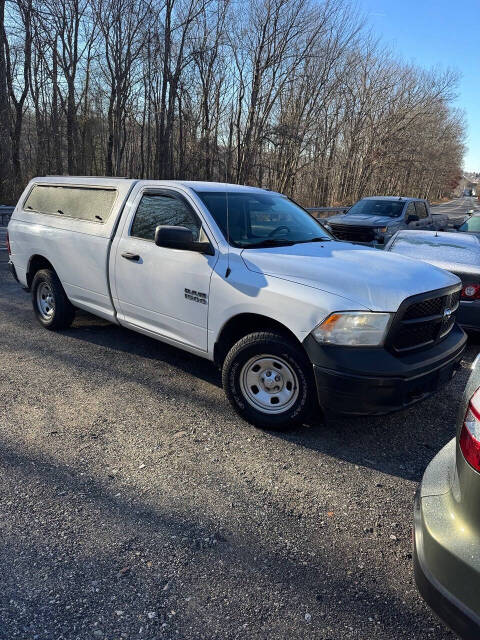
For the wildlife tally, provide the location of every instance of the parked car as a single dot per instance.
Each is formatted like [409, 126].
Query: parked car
[373, 221]
[447, 519]
[470, 225]
[246, 278]
[457, 253]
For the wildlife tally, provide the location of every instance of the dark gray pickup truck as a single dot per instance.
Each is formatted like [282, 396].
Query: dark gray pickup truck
[373, 221]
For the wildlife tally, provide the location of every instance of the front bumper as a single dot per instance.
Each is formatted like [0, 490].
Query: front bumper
[372, 381]
[445, 549]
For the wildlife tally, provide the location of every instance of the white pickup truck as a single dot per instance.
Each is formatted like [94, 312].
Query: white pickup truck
[246, 278]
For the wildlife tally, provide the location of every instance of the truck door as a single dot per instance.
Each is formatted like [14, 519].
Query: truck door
[424, 220]
[162, 290]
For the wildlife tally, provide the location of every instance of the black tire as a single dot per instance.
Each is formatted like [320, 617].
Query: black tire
[234, 378]
[61, 311]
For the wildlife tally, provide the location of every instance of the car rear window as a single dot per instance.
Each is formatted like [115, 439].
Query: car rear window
[84, 203]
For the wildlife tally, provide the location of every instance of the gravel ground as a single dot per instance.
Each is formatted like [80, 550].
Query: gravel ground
[134, 504]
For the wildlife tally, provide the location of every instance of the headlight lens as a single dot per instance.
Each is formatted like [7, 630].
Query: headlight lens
[353, 328]
[381, 229]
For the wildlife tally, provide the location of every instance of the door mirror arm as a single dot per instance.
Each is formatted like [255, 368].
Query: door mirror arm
[173, 237]
[203, 247]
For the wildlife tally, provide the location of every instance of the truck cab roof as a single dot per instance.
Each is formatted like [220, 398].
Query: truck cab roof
[114, 181]
[395, 198]
[219, 186]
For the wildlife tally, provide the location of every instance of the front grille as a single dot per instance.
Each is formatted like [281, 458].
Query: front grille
[351, 233]
[424, 322]
[446, 327]
[425, 308]
[409, 336]
[431, 306]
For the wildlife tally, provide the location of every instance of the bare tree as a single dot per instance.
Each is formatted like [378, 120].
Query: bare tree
[6, 192]
[294, 96]
[124, 27]
[18, 55]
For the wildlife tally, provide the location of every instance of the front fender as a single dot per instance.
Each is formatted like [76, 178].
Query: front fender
[298, 307]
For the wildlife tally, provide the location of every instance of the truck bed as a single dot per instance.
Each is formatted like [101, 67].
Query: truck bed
[77, 249]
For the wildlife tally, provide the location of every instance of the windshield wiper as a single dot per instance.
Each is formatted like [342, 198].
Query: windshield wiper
[314, 240]
[271, 242]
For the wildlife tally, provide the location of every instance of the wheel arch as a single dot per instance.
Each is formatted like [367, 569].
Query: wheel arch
[36, 263]
[241, 325]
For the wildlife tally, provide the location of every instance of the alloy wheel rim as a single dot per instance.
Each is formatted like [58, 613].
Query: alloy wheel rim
[269, 384]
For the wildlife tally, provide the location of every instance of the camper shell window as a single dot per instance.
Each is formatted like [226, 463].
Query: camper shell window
[93, 204]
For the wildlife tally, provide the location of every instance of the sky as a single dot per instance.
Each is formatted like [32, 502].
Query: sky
[437, 33]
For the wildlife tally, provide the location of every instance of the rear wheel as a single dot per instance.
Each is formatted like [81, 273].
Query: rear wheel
[51, 306]
[268, 380]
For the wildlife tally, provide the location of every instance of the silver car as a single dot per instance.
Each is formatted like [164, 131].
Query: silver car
[447, 522]
[458, 253]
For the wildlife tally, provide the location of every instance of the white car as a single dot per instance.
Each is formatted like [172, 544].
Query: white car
[246, 278]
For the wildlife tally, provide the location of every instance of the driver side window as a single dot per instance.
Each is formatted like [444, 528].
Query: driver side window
[410, 210]
[162, 209]
[421, 210]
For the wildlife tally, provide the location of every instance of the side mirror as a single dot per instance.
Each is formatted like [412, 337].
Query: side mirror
[180, 238]
[412, 218]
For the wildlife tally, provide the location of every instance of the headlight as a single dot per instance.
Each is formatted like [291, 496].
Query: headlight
[381, 229]
[353, 328]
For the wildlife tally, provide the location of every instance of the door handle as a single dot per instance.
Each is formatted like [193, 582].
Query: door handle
[128, 255]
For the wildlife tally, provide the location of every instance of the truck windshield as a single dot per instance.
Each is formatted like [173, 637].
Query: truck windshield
[388, 208]
[261, 219]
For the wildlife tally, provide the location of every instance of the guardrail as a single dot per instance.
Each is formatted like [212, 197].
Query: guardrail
[326, 212]
[5, 214]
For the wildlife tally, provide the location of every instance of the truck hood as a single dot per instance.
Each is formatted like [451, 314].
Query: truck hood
[364, 221]
[366, 277]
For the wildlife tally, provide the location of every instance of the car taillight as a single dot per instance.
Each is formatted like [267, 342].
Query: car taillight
[9, 249]
[470, 433]
[471, 292]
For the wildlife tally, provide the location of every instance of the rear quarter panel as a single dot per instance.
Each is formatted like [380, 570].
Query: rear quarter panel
[77, 249]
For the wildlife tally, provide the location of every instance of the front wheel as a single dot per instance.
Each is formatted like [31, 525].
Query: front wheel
[269, 381]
